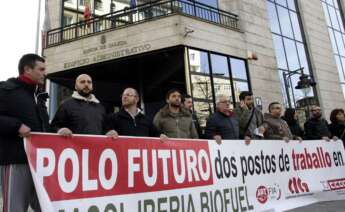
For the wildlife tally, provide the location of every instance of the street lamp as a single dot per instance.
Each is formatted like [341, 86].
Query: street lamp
[304, 84]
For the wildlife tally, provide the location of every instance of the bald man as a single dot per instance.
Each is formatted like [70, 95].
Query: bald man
[130, 120]
[82, 113]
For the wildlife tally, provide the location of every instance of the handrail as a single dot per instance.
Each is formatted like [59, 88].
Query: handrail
[138, 14]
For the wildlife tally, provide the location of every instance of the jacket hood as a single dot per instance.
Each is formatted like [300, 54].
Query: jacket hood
[92, 98]
[166, 112]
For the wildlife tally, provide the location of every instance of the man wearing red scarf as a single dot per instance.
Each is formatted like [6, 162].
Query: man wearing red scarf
[22, 110]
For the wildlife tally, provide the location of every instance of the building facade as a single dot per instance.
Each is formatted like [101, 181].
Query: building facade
[203, 47]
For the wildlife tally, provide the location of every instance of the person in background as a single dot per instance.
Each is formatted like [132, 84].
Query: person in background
[337, 126]
[290, 116]
[316, 127]
[249, 116]
[187, 102]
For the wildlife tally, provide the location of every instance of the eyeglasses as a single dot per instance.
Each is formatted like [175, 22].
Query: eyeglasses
[225, 102]
[128, 95]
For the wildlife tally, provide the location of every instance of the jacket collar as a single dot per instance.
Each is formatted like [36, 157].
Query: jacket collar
[166, 112]
[92, 98]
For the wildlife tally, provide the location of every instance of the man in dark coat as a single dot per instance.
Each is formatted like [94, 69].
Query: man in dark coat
[21, 111]
[82, 113]
[130, 120]
[316, 127]
[223, 124]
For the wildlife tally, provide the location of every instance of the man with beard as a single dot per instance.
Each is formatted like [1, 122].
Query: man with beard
[22, 110]
[82, 113]
[173, 120]
[130, 120]
[250, 118]
[187, 103]
[316, 127]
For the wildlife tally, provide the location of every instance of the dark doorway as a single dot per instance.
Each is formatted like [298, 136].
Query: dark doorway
[152, 74]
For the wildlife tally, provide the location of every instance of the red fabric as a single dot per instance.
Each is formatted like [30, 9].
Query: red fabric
[227, 113]
[27, 80]
[87, 13]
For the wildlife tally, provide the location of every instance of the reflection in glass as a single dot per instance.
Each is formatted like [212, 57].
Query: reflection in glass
[198, 61]
[289, 47]
[238, 69]
[282, 2]
[340, 69]
[222, 86]
[295, 26]
[279, 50]
[201, 87]
[273, 17]
[303, 58]
[291, 4]
[203, 110]
[206, 87]
[292, 58]
[219, 65]
[285, 23]
[337, 36]
[239, 87]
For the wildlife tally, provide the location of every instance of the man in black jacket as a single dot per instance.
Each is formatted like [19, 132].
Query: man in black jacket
[223, 124]
[316, 127]
[21, 111]
[130, 120]
[82, 113]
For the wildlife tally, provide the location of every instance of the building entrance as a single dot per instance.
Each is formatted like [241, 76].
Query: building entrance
[152, 74]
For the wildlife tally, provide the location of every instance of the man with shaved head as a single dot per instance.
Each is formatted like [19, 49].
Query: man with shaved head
[82, 113]
[130, 120]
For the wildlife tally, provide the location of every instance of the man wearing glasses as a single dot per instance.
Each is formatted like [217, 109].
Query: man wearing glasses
[82, 113]
[130, 120]
[223, 124]
[316, 127]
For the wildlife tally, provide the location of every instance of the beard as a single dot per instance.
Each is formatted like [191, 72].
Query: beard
[84, 93]
[175, 104]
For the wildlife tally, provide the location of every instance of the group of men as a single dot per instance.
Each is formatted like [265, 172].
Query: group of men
[23, 110]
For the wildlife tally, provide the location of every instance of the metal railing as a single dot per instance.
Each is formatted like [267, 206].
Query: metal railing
[141, 13]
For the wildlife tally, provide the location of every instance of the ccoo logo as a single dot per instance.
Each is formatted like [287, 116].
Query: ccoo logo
[297, 186]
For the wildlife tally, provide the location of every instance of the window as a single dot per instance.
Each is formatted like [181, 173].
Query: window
[337, 35]
[214, 74]
[213, 3]
[67, 20]
[289, 48]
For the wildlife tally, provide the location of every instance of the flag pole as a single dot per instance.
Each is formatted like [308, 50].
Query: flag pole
[38, 26]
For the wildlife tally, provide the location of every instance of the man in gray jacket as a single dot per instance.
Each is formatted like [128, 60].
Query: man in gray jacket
[249, 117]
[174, 120]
